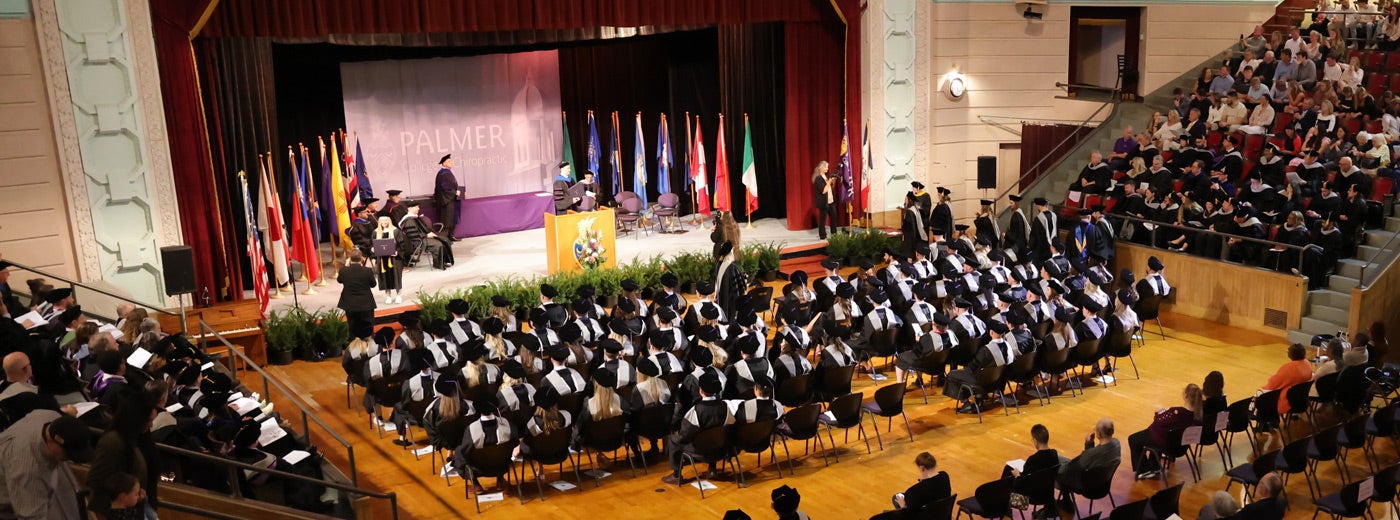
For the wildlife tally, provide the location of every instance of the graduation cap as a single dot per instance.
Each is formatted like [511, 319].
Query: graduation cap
[962, 303]
[393, 193]
[944, 191]
[493, 325]
[942, 319]
[705, 288]
[831, 263]
[1092, 306]
[557, 352]
[866, 264]
[1005, 298]
[665, 313]
[409, 319]
[649, 368]
[1127, 297]
[472, 350]
[798, 277]
[923, 250]
[1154, 264]
[530, 342]
[1040, 201]
[1063, 315]
[57, 295]
[448, 386]
[1084, 212]
[420, 358]
[360, 209]
[368, 201]
[960, 227]
[548, 291]
[1036, 289]
[513, 369]
[570, 333]
[986, 202]
[538, 318]
[670, 280]
[610, 345]
[748, 319]
[500, 301]
[561, 165]
[582, 306]
[700, 356]
[629, 285]
[879, 296]
[627, 305]
[1015, 198]
[247, 435]
[726, 248]
[548, 397]
[917, 185]
[605, 378]
[458, 306]
[997, 327]
[710, 384]
[487, 405]
[444, 158]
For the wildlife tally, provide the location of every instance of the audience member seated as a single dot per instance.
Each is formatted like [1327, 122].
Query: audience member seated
[1101, 450]
[932, 486]
[1296, 370]
[1222, 505]
[1155, 436]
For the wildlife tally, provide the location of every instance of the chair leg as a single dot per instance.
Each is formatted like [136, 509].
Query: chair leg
[538, 485]
[789, 460]
[592, 465]
[907, 428]
[739, 469]
[821, 446]
[875, 425]
[1135, 369]
[1160, 331]
[860, 429]
[834, 452]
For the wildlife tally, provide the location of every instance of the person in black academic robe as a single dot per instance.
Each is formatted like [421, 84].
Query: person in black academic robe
[360, 231]
[729, 280]
[417, 227]
[446, 191]
[987, 226]
[1095, 176]
[393, 208]
[1104, 239]
[1017, 234]
[563, 202]
[925, 203]
[390, 268]
[941, 218]
[824, 199]
[1044, 230]
[915, 233]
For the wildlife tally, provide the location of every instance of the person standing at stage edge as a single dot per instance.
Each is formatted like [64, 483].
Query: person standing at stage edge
[446, 191]
[824, 194]
[357, 296]
[729, 279]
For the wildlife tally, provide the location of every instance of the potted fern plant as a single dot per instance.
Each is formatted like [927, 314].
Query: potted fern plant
[332, 333]
[280, 332]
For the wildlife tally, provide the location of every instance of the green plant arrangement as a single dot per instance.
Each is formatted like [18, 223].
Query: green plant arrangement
[842, 245]
[281, 331]
[872, 243]
[332, 332]
[523, 293]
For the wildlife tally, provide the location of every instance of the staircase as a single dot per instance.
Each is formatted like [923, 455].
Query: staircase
[1328, 310]
[1054, 183]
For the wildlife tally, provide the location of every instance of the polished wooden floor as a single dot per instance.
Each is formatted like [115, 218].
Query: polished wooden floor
[860, 485]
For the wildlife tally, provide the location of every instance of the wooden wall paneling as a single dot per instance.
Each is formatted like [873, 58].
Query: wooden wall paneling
[1379, 302]
[1225, 293]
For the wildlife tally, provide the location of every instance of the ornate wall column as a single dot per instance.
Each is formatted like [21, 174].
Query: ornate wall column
[104, 92]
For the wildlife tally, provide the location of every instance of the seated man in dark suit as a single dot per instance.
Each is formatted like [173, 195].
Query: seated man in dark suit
[1267, 504]
[1101, 450]
[418, 228]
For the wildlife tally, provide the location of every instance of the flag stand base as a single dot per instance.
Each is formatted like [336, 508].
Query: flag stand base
[309, 290]
[748, 226]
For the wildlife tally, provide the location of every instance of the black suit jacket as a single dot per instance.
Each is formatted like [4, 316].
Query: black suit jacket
[818, 184]
[356, 295]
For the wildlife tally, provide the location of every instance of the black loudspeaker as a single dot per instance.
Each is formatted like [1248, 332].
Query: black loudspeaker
[986, 172]
[178, 265]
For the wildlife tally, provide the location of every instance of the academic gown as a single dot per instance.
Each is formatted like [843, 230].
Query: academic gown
[1017, 233]
[942, 220]
[1043, 231]
[988, 228]
[390, 268]
[729, 286]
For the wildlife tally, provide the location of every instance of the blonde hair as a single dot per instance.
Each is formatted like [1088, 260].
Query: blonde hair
[549, 419]
[604, 404]
[721, 356]
[1194, 401]
[495, 346]
[449, 407]
[653, 389]
[359, 348]
[131, 327]
[473, 372]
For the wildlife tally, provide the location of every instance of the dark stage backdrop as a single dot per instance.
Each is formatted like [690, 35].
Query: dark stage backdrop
[673, 73]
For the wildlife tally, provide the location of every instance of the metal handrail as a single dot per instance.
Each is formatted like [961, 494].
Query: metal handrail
[1362, 282]
[46, 274]
[1158, 225]
[1113, 101]
[234, 465]
[1085, 86]
[306, 414]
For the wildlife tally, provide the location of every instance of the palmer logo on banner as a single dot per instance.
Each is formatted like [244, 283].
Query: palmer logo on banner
[498, 115]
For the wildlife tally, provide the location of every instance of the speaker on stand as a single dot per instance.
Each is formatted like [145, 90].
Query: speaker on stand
[986, 173]
[177, 270]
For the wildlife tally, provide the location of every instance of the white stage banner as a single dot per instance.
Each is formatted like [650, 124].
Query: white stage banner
[498, 115]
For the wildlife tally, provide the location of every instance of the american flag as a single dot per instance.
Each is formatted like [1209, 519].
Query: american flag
[255, 253]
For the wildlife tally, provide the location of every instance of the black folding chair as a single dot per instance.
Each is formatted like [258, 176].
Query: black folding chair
[755, 438]
[801, 424]
[605, 436]
[495, 462]
[940, 509]
[795, 391]
[711, 446]
[1130, 511]
[1346, 503]
[991, 500]
[1164, 503]
[550, 449]
[889, 402]
[988, 380]
[1249, 473]
[845, 413]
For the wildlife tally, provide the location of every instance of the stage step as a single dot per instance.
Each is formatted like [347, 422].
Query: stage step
[1341, 283]
[1329, 314]
[1330, 298]
[1350, 267]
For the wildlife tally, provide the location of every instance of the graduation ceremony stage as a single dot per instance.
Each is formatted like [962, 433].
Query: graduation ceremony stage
[522, 254]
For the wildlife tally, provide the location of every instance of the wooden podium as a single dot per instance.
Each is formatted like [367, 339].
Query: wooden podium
[567, 253]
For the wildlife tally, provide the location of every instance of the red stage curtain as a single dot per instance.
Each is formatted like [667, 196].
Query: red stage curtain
[1040, 142]
[313, 18]
[202, 209]
[813, 86]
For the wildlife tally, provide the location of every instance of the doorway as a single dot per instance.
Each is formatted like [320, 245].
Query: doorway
[1098, 36]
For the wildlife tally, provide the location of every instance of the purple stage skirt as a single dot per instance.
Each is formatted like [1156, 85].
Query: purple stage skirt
[498, 214]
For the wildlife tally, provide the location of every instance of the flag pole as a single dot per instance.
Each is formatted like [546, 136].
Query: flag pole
[315, 247]
[274, 290]
[297, 176]
[333, 237]
[291, 280]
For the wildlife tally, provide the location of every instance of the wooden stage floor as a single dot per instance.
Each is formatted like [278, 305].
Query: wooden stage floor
[860, 485]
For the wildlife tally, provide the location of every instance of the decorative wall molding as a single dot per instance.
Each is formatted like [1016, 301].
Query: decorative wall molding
[100, 65]
[900, 87]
